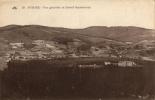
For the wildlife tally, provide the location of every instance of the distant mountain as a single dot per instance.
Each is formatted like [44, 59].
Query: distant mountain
[9, 27]
[119, 33]
[94, 34]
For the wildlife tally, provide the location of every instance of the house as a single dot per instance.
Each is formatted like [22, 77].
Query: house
[49, 46]
[129, 43]
[16, 45]
[107, 63]
[126, 64]
[38, 42]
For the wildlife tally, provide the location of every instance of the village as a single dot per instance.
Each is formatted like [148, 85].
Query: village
[42, 49]
[46, 50]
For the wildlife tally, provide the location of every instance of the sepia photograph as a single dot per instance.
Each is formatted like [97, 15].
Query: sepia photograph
[77, 49]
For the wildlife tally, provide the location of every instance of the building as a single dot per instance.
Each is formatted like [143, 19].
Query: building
[16, 45]
[126, 64]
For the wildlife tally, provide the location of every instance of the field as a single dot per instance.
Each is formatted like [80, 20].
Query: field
[64, 79]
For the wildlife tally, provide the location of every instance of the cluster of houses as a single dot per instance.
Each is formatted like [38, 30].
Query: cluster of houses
[41, 50]
[108, 63]
[51, 49]
[47, 49]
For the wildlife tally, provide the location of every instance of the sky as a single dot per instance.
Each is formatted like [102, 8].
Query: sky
[78, 13]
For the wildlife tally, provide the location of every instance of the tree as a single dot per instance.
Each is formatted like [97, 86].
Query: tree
[84, 47]
[28, 45]
[63, 40]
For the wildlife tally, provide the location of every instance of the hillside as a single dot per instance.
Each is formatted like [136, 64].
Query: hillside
[98, 33]
[124, 34]
[43, 41]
